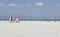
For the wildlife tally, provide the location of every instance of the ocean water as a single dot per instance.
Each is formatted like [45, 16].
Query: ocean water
[33, 19]
[2, 18]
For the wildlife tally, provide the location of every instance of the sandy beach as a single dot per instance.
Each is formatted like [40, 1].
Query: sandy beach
[30, 29]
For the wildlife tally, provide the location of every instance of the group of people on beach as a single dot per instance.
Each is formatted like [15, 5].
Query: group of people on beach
[12, 19]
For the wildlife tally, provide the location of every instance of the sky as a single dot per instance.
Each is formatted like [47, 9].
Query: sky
[30, 8]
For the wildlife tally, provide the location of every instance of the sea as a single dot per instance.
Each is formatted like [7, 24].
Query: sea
[5, 18]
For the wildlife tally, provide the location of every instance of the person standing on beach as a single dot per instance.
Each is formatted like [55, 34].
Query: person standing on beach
[11, 19]
[17, 20]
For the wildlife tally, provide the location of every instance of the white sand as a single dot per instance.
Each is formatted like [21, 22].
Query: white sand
[30, 29]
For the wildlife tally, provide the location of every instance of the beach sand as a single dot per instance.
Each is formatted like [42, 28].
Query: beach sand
[30, 29]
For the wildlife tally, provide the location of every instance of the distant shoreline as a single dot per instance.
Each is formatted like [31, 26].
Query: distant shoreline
[33, 19]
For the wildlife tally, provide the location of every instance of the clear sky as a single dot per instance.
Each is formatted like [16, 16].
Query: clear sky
[31, 8]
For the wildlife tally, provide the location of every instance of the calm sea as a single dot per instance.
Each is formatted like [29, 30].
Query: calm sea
[4, 18]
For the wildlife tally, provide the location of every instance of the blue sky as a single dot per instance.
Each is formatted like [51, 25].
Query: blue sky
[31, 8]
